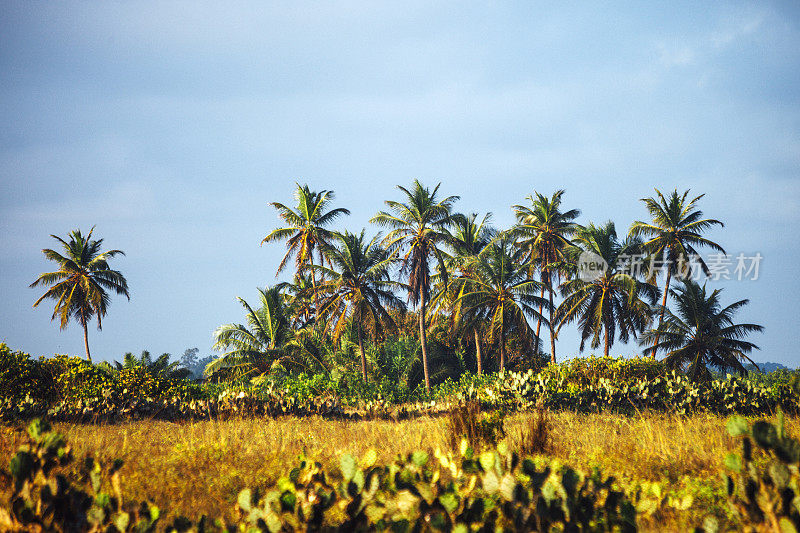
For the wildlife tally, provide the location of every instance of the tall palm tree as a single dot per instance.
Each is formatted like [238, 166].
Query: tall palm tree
[258, 346]
[615, 300]
[543, 230]
[702, 333]
[467, 238]
[673, 235]
[417, 228]
[499, 287]
[79, 285]
[306, 231]
[360, 288]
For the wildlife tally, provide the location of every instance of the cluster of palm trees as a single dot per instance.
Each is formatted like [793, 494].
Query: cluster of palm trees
[488, 285]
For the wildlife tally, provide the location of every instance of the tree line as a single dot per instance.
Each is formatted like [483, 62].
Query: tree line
[455, 274]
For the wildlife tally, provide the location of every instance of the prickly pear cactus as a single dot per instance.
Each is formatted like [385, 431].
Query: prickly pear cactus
[764, 483]
[42, 499]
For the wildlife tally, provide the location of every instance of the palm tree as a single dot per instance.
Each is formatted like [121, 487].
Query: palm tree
[615, 299]
[543, 230]
[306, 230]
[499, 288]
[360, 289]
[160, 367]
[466, 240]
[702, 333]
[417, 227]
[299, 295]
[258, 346]
[79, 285]
[673, 235]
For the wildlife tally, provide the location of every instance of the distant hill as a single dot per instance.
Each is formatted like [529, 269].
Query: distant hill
[768, 367]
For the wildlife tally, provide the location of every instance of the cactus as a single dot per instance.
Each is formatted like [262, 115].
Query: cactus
[43, 499]
[764, 483]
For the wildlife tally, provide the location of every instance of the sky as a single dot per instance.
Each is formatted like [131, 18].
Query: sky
[170, 126]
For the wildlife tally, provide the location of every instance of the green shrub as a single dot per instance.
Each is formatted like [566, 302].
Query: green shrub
[591, 371]
[21, 376]
[79, 379]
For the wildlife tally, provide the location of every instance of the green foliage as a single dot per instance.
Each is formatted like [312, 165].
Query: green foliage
[43, 499]
[764, 483]
[79, 379]
[672, 392]
[495, 490]
[73, 389]
[21, 376]
[585, 372]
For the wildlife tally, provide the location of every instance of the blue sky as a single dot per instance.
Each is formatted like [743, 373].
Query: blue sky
[171, 125]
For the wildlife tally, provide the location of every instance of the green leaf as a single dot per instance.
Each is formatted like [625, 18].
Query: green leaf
[155, 513]
[419, 458]
[487, 460]
[490, 482]
[765, 434]
[21, 465]
[244, 499]
[369, 458]
[738, 426]
[121, 521]
[449, 501]
[786, 525]
[507, 485]
[348, 465]
[733, 462]
[780, 475]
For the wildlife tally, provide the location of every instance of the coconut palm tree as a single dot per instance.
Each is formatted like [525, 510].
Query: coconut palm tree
[299, 295]
[417, 228]
[613, 304]
[702, 333]
[259, 346]
[306, 231]
[543, 231]
[673, 235]
[159, 367]
[79, 285]
[467, 238]
[360, 288]
[499, 288]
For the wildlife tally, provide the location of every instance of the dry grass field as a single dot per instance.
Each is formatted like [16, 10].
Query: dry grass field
[199, 468]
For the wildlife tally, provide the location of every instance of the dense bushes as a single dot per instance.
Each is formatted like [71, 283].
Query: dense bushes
[71, 388]
[672, 392]
[582, 372]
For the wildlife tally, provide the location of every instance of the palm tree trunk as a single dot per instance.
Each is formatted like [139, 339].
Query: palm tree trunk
[552, 331]
[423, 341]
[363, 356]
[502, 347]
[478, 351]
[661, 312]
[85, 335]
[538, 327]
[316, 296]
[607, 343]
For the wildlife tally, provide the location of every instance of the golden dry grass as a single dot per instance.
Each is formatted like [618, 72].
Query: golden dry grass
[199, 468]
